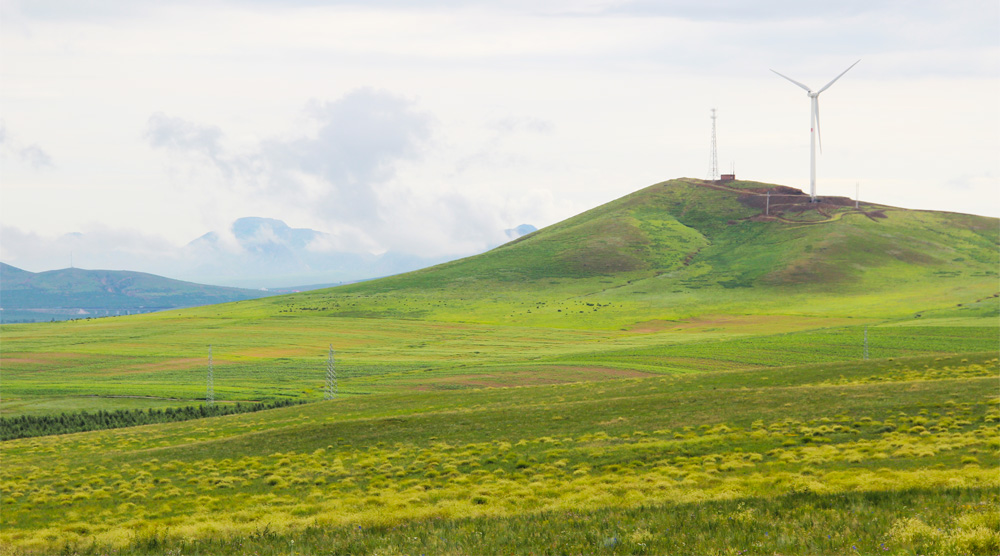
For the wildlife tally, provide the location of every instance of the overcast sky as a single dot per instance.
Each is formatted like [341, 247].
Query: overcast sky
[430, 127]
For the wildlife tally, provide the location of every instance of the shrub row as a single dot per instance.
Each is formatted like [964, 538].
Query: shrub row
[26, 426]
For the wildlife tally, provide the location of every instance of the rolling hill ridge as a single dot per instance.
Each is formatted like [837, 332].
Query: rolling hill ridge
[78, 293]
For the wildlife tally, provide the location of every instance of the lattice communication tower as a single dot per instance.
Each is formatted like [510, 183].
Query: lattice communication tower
[713, 170]
[331, 377]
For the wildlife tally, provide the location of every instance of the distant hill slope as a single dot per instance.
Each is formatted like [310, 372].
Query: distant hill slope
[687, 246]
[78, 293]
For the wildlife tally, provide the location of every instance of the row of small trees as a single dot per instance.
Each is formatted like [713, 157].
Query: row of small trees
[25, 426]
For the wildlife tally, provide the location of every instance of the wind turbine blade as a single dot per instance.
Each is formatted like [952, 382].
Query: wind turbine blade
[808, 90]
[836, 78]
[818, 134]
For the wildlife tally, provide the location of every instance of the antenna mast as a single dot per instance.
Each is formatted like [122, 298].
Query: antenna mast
[713, 171]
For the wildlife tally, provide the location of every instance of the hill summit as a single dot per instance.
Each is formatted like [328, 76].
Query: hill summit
[737, 235]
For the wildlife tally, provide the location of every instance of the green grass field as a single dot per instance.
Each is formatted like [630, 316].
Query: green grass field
[790, 453]
[673, 372]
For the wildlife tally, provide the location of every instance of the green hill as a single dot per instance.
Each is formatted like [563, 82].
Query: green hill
[77, 293]
[687, 247]
[695, 232]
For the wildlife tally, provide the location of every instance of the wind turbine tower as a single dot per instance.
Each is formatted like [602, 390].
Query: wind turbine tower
[814, 126]
[713, 170]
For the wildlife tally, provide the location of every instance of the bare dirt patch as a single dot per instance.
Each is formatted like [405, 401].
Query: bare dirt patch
[27, 360]
[47, 362]
[47, 359]
[157, 366]
[275, 352]
[531, 377]
[738, 324]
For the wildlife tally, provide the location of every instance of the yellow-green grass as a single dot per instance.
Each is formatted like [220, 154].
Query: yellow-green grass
[771, 441]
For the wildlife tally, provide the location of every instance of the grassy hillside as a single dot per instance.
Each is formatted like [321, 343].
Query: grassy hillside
[696, 279]
[682, 370]
[683, 248]
[77, 293]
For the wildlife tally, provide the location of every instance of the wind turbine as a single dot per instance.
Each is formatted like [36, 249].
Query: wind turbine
[814, 126]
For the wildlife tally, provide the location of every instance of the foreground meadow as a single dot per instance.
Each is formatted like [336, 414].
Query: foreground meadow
[886, 456]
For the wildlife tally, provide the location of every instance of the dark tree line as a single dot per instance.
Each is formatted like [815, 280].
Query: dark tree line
[26, 426]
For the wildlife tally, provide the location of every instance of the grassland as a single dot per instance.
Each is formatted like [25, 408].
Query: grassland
[791, 454]
[674, 372]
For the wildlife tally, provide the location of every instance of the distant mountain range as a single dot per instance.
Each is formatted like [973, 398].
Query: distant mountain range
[260, 251]
[255, 251]
[268, 251]
[75, 293]
[251, 253]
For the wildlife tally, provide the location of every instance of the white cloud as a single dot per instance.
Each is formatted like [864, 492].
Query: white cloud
[335, 171]
[97, 247]
[30, 155]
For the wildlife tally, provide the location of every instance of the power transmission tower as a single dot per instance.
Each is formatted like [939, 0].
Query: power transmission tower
[331, 377]
[713, 171]
[210, 394]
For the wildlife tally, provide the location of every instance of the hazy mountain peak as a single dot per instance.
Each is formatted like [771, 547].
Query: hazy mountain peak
[521, 230]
